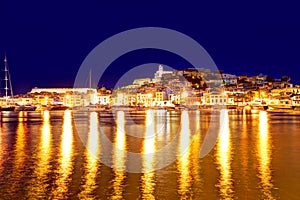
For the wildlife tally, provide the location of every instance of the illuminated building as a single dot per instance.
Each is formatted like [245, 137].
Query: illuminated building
[159, 73]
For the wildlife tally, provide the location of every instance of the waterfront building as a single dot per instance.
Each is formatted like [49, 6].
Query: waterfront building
[103, 99]
[72, 100]
[68, 96]
[193, 101]
[169, 88]
[217, 98]
[103, 96]
[63, 90]
[120, 99]
[159, 96]
[296, 100]
[144, 99]
[25, 101]
[44, 100]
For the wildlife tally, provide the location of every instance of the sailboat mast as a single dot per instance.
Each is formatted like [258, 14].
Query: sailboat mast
[7, 80]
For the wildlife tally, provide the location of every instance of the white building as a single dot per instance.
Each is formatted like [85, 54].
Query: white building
[73, 100]
[160, 72]
[90, 94]
[215, 98]
[63, 90]
[103, 99]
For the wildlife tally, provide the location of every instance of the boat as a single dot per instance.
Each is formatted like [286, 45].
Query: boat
[58, 107]
[231, 106]
[90, 108]
[281, 104]
[7, 108]
[25, 108]
[258, 104]
[7, 102]
[123, 108]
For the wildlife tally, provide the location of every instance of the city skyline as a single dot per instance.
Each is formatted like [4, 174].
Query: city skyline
[140, 72]
[166, 89]
[45, 47]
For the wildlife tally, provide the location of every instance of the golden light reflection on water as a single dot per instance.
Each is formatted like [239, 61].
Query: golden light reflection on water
[148, 152]
[223, 158]
[244, 150]
[119, 157]
[264, 156]
[168, 127]
[22, 116]
[45, 146]
[2, 148]
[39, 186]
[20, 154]
[183, 162]
[65, 158]
[20, 143]
[39, 157]
[195, 149]
[159, 124]
[92, 153]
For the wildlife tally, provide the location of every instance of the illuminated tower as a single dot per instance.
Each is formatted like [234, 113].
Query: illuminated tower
[160, 72]
[160, 68]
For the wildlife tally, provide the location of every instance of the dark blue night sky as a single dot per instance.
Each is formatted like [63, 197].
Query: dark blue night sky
[47, 42]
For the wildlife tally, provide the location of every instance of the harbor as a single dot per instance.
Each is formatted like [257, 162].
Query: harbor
[78, 143]
[188, 89]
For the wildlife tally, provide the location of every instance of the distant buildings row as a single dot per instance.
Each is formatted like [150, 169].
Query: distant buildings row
[189, 87]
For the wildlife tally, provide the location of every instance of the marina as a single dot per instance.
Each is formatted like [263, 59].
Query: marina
[160, 93]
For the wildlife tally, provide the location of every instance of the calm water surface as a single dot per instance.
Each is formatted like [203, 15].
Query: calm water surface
[43, 155]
